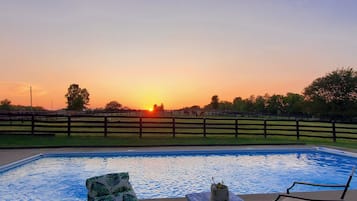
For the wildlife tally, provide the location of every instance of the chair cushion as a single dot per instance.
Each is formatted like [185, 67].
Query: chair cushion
[106, 198]
[110, 187]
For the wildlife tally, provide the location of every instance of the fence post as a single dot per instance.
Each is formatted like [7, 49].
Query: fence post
[10, 119]
[173, 127]
[141, 128]
[297, 130]
[334, 131]
[105, 126]
[236, 135]
[265, 129]
[68, 125]
[204, 127]
[32, 124]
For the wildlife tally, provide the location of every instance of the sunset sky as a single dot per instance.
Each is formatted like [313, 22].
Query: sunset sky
[176, 52]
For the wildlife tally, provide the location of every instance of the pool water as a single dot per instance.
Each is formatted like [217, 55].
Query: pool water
[175, 174]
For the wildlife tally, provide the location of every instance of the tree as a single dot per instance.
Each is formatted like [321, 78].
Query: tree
[275, 104]
[335, 94]
[214, 102]
[225, 106]
[259, 104]
[294, 103]
[77, 98]
[112, 106]
[243, 105]
[5, 104]
[157, 108]
[238, 104]
[249, 103]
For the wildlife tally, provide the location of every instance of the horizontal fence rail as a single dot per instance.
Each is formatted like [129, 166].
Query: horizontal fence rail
[27, 124]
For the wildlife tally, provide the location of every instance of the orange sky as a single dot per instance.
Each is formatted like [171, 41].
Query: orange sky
[179, 53]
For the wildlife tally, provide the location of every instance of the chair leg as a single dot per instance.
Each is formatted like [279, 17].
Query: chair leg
[277, 198]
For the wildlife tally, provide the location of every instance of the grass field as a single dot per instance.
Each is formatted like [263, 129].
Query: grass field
[125, 131]
[7, 141]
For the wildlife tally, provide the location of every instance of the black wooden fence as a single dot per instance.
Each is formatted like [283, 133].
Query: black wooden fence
[44, 124]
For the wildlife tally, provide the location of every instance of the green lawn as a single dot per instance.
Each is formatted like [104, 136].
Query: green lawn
[159, 140]
[124, 131]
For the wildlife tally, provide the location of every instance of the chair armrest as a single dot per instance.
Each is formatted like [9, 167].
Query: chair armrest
[313, 184]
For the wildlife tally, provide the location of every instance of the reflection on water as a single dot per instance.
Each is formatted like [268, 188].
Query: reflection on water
[63, 178]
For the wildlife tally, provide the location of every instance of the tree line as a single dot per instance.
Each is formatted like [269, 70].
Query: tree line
[331, 96]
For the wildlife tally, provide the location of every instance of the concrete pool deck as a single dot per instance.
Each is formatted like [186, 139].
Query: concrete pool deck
[12, 155]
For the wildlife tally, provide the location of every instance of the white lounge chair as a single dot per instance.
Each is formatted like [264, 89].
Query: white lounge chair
[345, 187]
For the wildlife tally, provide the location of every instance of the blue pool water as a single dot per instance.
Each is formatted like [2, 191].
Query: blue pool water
[173, 174]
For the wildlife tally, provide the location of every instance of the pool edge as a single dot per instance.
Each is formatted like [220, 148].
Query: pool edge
[18, 163]
[132, 152]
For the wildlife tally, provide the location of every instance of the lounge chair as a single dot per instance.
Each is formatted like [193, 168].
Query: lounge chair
[110, 187]
[295, 197]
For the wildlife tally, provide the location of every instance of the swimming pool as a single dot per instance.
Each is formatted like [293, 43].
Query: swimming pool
[174, 173]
